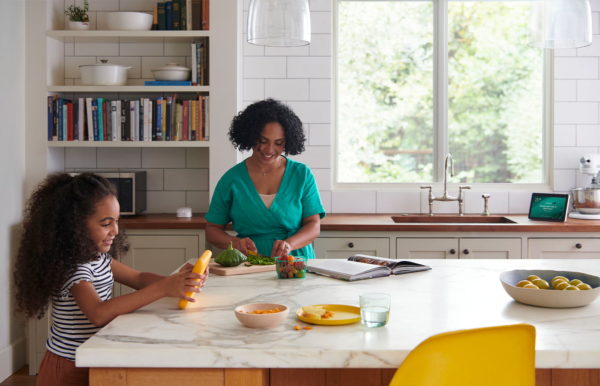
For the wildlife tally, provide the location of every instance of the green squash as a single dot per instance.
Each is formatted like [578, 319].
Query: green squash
[230, 257]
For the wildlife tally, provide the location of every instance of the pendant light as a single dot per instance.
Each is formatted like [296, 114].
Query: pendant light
[279, 23]
[559, 24]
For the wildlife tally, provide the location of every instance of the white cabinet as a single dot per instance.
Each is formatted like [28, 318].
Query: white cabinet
[563, 248]
[461, 248]
[343, 247]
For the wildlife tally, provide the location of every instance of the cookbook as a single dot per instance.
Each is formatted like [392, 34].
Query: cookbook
[358, 267]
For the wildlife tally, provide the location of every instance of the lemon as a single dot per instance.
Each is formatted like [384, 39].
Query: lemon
[531, 285]
[523, 283]
[532, 277]
[584, 286]
[558, 278]
[560, 285]
[571, 288]
[541, 283]
[575, 282]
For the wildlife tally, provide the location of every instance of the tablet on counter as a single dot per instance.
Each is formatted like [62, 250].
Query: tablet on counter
[549, 207]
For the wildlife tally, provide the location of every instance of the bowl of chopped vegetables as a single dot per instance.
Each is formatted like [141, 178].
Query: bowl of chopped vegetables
[290, 267]
[261, 315]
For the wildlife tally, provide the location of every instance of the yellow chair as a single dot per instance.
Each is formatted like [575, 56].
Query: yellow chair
[490, 356]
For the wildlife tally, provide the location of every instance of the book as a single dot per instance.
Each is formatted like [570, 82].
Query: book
[359, 267]
[167, 83]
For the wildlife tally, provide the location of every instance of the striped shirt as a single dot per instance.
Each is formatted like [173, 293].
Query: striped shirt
[70, 327]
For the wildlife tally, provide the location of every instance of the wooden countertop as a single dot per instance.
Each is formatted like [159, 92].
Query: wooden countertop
[380, 222]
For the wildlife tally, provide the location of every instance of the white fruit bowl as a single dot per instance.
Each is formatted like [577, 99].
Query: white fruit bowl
[128, 21]
[550, 297]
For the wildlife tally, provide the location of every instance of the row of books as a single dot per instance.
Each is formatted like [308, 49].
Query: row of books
[200, 62]
[100, 119]
[181, 15]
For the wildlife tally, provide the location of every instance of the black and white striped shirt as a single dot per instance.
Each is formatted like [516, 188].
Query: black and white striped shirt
[70, 327]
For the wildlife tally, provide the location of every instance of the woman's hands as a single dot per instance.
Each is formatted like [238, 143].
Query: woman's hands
[243, 245]
[281, 248]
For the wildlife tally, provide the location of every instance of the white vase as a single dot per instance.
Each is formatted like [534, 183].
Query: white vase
[78, 25]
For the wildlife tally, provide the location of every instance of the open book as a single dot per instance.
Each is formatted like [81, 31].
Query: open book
[359, 267]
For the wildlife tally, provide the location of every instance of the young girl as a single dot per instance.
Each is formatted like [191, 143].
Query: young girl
[68, 256]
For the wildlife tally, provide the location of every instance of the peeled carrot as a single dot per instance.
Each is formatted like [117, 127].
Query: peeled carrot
[199, 267]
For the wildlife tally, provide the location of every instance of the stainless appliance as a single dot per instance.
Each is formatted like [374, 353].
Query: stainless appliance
[131, 189]
[586, 200]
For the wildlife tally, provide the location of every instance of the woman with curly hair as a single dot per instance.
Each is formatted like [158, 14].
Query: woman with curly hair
[271, 200]
[68, 257]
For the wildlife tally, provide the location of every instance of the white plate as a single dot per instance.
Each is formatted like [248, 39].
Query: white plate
[550, 297]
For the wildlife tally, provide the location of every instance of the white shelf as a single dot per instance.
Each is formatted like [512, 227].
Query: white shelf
[175, 35]
[130, 89]
[129, 144]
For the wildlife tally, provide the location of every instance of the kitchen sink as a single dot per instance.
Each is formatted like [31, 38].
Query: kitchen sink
[444, 219]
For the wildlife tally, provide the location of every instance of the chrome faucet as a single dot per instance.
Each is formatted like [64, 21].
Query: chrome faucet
[448, 165]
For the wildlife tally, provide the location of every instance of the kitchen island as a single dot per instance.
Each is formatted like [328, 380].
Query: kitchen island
[160, 344]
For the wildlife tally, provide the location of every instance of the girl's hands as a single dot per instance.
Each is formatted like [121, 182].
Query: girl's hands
[281, 248]
[184, 281]
[244, 244]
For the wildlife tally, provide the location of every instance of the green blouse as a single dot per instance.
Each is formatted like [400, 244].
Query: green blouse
[236, 200]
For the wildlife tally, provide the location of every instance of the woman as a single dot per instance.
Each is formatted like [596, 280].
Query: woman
[272, 201]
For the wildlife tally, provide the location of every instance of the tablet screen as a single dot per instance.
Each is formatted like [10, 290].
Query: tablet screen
[549, 206]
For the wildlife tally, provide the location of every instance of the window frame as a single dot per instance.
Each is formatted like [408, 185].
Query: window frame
[440, 115]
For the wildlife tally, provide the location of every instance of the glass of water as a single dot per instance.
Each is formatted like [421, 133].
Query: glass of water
[374, 309]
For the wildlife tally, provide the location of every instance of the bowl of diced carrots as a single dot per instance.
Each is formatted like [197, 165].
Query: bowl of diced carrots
[261, 315]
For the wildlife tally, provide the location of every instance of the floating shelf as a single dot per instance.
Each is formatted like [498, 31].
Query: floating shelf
[130, 89]
[128, 143]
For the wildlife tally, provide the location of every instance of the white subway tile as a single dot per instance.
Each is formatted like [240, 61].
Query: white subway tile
[565, 90]
[398, 202]
[320, 22]
[518, 202]
[72, 64]
[264, 67]
[588, 90]
[595, 5]
[69, 49]
[154, 179]
[564, 180]
[309, 67]
[251, 49]
[287, 89]
[164, 202]
[315, 157]
[320, 89]
[353, 201]
[566, 52]
[323, 178]
[287, 51]
[137, 5]
[326, 200]
[186, 179]
[151, 62]
[137, 47]
[312, 112]
[197, 200]
[253, 89]
[320, 45]
[91, 47]
[568, 157]
[591, 50]
[588, 135]
[595, 24]
[565, 135]
[178, 49]
[156, 157]
[119, 158]
[576, 68]
[319, 134]
[80, 158]
[497, 203]
[196, 157]
[319, 5]
[575, 112]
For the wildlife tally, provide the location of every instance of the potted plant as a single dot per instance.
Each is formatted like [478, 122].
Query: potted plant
[78, 16]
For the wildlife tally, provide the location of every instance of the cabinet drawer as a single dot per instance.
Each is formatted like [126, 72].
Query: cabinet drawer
[343, 247]
[565, 248]
[427, 248]
[490, 248]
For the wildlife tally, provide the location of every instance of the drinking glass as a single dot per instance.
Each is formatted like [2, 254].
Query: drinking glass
[374, 309]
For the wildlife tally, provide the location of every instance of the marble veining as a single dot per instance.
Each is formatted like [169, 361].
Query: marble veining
[455, 294]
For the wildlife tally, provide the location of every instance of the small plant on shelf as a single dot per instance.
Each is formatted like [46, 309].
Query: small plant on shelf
[78, 14]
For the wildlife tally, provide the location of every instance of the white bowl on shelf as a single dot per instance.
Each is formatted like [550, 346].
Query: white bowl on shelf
[171, 71]
[128, 21]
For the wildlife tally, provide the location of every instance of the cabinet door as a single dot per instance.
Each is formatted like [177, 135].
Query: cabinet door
[573, 248]
[158, 254]
[426, 248]
[344, 247]
[492, 248]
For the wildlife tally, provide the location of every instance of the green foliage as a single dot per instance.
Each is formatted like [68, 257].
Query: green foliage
[76, 13]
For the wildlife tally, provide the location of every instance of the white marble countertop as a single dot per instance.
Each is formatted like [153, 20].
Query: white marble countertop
[455, 294]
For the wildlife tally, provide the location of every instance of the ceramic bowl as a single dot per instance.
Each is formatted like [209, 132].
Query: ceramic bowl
[128, 21]
[550, 297]
[171, 71]
[267, 320]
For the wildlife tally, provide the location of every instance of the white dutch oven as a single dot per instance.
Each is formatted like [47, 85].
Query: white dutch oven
[103, 74]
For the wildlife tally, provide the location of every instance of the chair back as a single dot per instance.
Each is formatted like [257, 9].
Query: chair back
[490, 356]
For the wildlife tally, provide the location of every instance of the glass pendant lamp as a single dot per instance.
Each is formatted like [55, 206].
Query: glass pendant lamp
[560, 24]
[279, 23]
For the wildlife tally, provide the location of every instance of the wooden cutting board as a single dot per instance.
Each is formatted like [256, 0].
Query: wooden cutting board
[239, 270]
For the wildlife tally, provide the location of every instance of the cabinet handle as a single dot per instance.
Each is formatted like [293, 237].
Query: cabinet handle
[350, 245]
[453, 251]
[466, 252]
[578, 246]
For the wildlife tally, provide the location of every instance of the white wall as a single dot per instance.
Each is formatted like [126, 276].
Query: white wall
[12, 175]
[302, 77]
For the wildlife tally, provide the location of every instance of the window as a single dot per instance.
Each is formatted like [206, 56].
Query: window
[410, 91]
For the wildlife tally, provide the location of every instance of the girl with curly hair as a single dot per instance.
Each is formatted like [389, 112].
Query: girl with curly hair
[271, 200]
[68, 258]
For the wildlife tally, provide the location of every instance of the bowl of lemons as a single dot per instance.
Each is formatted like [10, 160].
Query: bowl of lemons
[548, 288]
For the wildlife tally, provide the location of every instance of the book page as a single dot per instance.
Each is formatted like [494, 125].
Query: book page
[344, 269]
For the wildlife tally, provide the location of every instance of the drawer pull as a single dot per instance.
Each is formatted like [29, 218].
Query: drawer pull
[466, 252]
[453, 251]
[350, 245]
[578, 246]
